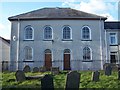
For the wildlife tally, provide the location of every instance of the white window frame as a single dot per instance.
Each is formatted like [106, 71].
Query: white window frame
[112, 36]
[44, 33]
[25, 54]
[89, 33]
[70, 32]
[25, 33]
[90, 54]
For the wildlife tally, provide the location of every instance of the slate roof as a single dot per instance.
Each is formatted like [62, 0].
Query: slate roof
[55, 13]
[112, 25]
[6, 40]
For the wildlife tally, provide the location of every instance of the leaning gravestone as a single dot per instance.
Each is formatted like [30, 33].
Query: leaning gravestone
[42, 69]
[95, 76]
[108, 70]
[119, 75]
[73, 80]
[47, 82]
[27, 69]
[20, 76]
[55, 70]
[35, 69]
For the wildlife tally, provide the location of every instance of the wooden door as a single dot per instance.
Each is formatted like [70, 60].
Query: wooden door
[48, 61]
[112, 59]
[67, 62]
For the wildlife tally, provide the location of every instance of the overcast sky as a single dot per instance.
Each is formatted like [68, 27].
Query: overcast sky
[107, 8]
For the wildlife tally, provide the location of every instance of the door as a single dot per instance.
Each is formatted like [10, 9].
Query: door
[113, 57]
[48, 59]
[67, 59]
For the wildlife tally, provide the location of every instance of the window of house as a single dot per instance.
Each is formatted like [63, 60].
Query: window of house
[113, 57]
[28, 52]
[67, 33]
[113, 38]
[86, 33]
[28, 33]
[86, 53]
[47, 32]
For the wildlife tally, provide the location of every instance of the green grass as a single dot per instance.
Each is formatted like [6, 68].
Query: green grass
[8, 80]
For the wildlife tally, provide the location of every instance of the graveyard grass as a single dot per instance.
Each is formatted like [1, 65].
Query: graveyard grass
[8, 80]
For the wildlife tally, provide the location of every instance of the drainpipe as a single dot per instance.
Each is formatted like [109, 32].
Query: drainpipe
[17, 62]
[101, 44]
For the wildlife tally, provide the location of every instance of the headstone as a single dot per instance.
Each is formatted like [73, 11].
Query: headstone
[42, 69]
[108, 70]
[95, 76]
[55, 70]
[35, 69]
[47, 82]
[73, 80]
[20, 76]
[27, 69]
[119, 75]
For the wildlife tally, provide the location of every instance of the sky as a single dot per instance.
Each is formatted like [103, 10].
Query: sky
[8, 8]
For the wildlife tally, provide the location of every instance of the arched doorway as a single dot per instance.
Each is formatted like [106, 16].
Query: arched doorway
[67, 59]
[48, 59]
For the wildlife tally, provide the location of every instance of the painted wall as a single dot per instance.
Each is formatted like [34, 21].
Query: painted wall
[57, 46]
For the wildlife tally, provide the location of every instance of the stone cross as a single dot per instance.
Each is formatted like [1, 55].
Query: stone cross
[27, 69]
[20, 76]
[108, 70]
[35, 69]
[73, 80]
[47, 82]
[95, 76]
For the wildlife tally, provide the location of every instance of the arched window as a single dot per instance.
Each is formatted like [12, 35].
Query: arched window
[28, 33]
[86, 33]
[86, 53]
[28, 52]
[66, 32]
[47, 32]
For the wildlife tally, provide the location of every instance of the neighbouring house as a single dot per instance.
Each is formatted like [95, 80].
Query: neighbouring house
[4, 53]
[113, 42]
[58, 37]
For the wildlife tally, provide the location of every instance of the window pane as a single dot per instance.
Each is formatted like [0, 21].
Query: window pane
[85, 33]
[28, 53]
[28, 32]
[86, 53]
[66, 32]
[48, 32]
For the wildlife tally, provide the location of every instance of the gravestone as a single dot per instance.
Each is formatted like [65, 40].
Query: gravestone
[55, 70]
[20, 76]
[35, 69]
[42, 69]
[108, 70]
[27, 69]
[95, 76]
[47, 82]
[73, 80]
[119, 75]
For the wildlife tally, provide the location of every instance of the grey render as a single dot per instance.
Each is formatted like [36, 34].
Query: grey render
[57, 18]
[4, 52]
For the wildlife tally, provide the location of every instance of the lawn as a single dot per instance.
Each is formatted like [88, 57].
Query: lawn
[8, 80]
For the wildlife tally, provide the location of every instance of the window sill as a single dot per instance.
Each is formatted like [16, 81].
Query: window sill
[28, 61]
[113, 44]
[28, 40]
[86, 40]
[67, 40]
[48, 40]
[87, 61]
